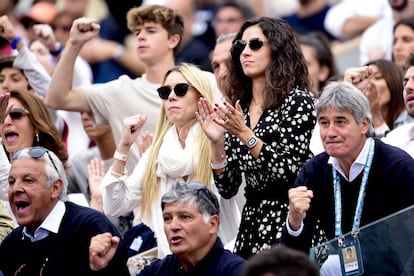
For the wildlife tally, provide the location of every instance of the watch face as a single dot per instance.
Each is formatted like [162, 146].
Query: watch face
[251, 141]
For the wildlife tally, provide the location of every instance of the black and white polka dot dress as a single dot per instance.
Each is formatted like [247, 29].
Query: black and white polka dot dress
[286, 133]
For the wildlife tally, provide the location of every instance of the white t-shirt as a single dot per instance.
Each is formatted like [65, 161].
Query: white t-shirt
[124, 97]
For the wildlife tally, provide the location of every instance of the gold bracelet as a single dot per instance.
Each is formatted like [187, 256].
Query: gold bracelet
[117, 174]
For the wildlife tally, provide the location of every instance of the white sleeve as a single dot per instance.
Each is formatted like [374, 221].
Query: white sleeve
[4, 174]
[38, 78]
[122, 195]
[336, 17]
[293, 232]
[37, 75]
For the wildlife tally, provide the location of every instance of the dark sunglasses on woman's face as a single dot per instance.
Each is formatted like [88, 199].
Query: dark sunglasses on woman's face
[17, 113]
[180, 89]
[254, 44]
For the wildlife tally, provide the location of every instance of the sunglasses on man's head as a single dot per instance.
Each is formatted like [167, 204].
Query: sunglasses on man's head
[36, 153]
[254, 44]
[17, 113]
[198, 187]
[180, 89]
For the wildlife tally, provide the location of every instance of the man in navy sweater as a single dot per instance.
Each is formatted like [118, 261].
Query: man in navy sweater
[356, 181]
[54, 235]
[191, 220]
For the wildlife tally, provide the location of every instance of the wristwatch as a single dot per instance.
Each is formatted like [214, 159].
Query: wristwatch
[252, 141]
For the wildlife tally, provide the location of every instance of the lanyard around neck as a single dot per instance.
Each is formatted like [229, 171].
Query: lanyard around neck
[361, 196]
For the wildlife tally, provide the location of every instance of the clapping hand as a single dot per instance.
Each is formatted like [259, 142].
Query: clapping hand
[207, 118]
[215, 120]
[96, 172]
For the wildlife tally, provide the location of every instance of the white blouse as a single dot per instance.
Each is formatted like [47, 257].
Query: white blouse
[124, 194]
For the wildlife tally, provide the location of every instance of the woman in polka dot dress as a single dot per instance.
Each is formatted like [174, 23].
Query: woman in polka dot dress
[261, 135]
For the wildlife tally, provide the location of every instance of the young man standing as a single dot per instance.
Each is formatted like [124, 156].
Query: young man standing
[158, 31]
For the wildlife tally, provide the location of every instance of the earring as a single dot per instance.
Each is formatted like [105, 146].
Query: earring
[37, 137]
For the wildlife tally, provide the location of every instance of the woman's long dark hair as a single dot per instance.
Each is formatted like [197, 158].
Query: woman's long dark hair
[286, 71]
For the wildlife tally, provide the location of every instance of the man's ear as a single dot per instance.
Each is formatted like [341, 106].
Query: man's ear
[173, 41]
[56, 188]
[365, 124]
[214, 224]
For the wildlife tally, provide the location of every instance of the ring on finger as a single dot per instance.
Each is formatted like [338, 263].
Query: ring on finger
[227, 120]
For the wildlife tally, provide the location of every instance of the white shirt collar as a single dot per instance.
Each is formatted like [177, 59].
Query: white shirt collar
[50, 224]
[357, 166]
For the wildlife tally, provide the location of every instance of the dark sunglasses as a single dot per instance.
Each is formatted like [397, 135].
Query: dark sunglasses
[254, 44]
[180, 89]
[198, 187]
[17, 113]
[36, 153]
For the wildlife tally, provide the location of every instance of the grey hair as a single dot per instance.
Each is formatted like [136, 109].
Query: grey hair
[203, 199]
[51, 174]
[345, 97]
[224, 37]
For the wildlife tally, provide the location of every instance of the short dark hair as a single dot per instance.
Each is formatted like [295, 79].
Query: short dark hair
[409, 61]
[323, 52]
[280, 261]
[245, 10]
[7, 62]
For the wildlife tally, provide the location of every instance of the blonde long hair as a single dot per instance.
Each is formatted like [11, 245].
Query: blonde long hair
[202, 171]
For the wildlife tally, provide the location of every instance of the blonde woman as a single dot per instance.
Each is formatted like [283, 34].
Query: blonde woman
[179, 152]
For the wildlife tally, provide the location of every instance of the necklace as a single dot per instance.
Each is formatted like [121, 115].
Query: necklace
[257, 107]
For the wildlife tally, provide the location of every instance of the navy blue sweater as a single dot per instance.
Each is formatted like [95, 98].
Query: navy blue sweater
[390, 188]
[217, 262]
[65, 253]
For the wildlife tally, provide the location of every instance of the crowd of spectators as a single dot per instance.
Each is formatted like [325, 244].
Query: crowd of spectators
[133, 97]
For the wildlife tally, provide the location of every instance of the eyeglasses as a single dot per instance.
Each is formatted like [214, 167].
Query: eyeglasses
[36, 153]
[17, 113]
[65, 28]
[231, 20]
[180, 89]
[254, 44]
[198, 187]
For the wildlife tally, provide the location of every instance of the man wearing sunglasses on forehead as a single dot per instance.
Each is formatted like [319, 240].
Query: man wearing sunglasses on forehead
[262, 132]
[53, 234]
[191, 218]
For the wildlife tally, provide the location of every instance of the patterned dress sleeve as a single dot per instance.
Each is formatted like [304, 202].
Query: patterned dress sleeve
[285, 132]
